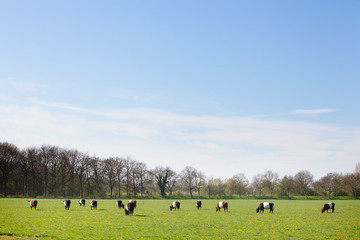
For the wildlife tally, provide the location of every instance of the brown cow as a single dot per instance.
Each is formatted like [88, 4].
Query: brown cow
[33, 203]
[222, 205]
[328, 206]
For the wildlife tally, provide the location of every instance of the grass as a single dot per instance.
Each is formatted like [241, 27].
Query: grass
[299, 219]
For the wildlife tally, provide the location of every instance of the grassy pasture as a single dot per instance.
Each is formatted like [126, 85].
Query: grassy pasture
[153, 220]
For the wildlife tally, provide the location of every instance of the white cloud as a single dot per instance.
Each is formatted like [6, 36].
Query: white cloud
[313, 111]
[218, 146]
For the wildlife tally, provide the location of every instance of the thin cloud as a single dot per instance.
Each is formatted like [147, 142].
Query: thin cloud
[312, 111]
[250, 145]
[37, 101]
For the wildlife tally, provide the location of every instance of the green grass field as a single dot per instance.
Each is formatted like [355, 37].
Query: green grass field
[152, 219]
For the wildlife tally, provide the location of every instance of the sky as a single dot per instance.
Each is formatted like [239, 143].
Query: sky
[225, 87]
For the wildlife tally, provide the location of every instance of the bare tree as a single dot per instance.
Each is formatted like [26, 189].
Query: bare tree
[328, 184]
[129, 167]
[258, 183]
[9, 155]
[172, 180]
[199, 181]
[142, 172]
[109, 170]
[188, 176]
[304, 180]
[351, 182]
[119, 171]
[48, 154]
[287, 185]
[80, 168]
[271, 180]
[237, 184]
[357, 169]
[96, 176]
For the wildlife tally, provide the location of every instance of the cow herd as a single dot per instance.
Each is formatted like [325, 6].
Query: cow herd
[131, 205]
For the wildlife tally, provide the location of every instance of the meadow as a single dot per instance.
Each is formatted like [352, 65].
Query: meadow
[152, 219]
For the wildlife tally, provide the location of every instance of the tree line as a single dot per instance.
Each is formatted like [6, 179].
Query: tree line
[51, 171]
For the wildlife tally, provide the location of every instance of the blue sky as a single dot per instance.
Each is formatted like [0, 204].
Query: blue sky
[252, 85]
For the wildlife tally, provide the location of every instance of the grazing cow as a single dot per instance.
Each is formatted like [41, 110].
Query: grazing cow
[33, 204]
[82, 202]
[265, 205]
[198, 205]
[130, 206]
[93, 204]
[175, 205]
[120, 204]
[133, 201]
[222, 205]
[328, 206]
[67, 204]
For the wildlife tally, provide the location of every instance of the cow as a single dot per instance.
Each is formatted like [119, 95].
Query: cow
[133, 201]
[33, 203]
[93, 204]
[67, 204]
[222, 205]
[130, 206]
[120, 204]
[82, 202]
[175, 205]
[198, 205]
[328, 206]
[265, 205]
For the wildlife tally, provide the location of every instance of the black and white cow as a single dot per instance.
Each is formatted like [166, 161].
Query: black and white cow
[82, 202]
[221, 205]
[67, 204]
[198, 205]
[120, 204]
[328, 206]
[130, 206]
[93, 204]
[265, 205]
[33, 203]
[175, 205]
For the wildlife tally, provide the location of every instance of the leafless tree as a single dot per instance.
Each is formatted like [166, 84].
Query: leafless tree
[142, 173]
[237, 184]
[188, 176]
[357, 169]
[81, 166]
[351, 184]
[271, 180]
[287, 185]
[258, 183]
[48, 155]
[9, 156]
[328, 184]
[304, 180]
[199, 181]
[172, 180]
[96, 178]
[119, 171]
[109, 170]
